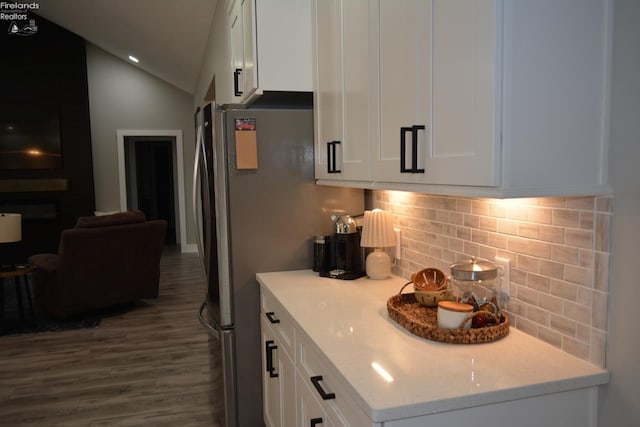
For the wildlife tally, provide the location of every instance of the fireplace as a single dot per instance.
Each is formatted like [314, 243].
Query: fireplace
[45, 111]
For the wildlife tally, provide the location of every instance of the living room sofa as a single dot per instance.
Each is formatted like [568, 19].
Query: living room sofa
[104, 261]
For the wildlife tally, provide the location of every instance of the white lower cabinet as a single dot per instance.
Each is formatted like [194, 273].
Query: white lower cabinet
[303, 390]
[278, 373]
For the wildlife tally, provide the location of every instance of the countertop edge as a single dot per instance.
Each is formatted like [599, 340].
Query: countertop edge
[487, 398]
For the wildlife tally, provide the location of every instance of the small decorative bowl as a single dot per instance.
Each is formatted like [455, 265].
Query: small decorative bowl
[431, 298]
[429, 279]
[430, 286]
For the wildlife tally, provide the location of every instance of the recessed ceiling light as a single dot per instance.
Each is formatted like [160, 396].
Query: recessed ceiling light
[133, 58]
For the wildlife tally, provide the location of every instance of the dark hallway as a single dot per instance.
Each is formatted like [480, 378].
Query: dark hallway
[150, 180]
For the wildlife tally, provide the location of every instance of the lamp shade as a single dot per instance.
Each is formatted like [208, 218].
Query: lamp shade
[377, 230]
[10, 227]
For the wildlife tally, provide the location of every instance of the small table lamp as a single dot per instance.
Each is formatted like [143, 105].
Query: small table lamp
[378, 233]
[10, 229]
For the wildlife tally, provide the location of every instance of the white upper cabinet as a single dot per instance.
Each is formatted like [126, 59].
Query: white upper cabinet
[270, 47]
[342, 89]
[488, 97]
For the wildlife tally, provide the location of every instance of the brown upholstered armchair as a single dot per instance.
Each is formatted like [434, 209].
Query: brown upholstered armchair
[104, 261]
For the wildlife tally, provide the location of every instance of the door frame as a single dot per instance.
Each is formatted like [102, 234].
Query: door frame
[175, 135]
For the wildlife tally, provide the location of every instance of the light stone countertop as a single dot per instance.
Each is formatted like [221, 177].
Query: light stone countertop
[348, 321]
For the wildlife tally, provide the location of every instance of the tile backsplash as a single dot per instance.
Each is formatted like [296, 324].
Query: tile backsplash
[558, 247]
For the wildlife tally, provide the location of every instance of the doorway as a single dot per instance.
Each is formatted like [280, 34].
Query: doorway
[151, 178]
[149, 175]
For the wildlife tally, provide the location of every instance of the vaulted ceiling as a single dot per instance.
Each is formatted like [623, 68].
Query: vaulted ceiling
[168, 37]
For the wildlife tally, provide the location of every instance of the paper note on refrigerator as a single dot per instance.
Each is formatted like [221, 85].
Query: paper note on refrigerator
[246, 144]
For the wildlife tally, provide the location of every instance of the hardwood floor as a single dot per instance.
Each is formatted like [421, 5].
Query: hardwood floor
[151, 365]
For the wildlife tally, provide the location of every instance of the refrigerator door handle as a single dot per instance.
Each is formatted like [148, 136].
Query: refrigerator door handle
[212, 330]
[196, 177]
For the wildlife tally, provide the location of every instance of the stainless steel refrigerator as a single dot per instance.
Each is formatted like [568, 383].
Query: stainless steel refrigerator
[260, 207]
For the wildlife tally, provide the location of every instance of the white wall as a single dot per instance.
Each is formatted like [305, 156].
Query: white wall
[217, 61]
[619, 402]
[122, 96]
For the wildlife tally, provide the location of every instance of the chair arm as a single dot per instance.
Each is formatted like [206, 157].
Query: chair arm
[46, 262]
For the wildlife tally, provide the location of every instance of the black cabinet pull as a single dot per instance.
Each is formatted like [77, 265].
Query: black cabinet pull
[315, 421]
[414, 149]
[331, 157]
[269, 347]
[335, 168]
[316, 383]
[272, 317]
[236, 82]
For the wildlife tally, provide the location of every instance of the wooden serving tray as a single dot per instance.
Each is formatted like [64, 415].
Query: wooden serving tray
[423, 322]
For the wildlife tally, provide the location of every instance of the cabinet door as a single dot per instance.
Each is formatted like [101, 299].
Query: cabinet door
[270, 377]
[404, 91]
[278, 381]
[466, 127]
[243, 52]
[237, 61]
[327, 24]
[249, 70]
[342, 89]
[358, 100]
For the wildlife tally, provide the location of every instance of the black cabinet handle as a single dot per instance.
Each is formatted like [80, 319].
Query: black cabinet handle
[272, 317]
[269, 347]
[335, 168]
[315, 421]
[331, 157]
[236, 82]
[414, 149]
[316, 383]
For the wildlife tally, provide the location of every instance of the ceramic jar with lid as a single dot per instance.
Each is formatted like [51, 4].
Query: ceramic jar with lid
[476, 282]
[452, 314]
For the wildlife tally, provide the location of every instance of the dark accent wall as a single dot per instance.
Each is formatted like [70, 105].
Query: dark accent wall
[47, 72]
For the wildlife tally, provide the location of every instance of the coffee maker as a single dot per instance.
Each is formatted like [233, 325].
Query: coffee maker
[346, 257]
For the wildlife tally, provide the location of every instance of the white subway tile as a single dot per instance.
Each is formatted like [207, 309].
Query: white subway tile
[559, 248]
[577, 312]
[578, 238]
[564, 217]
[565, 290]
[563, 325]
[575, 347]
